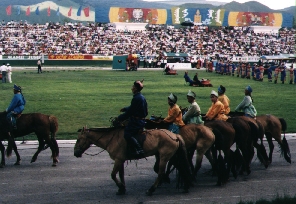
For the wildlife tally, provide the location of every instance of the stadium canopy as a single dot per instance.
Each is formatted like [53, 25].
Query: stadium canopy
[172, 54]
[277, 57]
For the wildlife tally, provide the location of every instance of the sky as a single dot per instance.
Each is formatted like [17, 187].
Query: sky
[273, 4]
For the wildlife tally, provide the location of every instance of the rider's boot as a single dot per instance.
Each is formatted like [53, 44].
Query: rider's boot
[139, 150]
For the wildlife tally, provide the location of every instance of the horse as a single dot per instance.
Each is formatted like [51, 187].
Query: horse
[224, 141]
[161, 142]
[196, 137]
[247, 133]
[273, 126]
[44, 126]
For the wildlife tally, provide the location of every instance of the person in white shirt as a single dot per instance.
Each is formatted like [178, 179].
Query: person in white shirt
[9, 72]
[4, 72]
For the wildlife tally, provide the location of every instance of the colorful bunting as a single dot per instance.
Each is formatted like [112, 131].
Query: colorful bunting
[18, 10]
[48, 11]
[8, 10]
[37, 10]
[86, 11]
[70, 11]
[79, 11]
[58, 11]
[28, 12]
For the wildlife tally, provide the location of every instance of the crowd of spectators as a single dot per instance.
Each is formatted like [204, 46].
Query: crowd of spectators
[22, 38]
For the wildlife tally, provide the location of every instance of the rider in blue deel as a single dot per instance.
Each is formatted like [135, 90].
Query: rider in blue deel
[136, 114]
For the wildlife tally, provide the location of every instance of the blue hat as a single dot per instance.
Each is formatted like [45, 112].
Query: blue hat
[249, 89]
[17, 88]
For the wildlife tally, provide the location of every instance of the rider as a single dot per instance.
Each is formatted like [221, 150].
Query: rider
[174, 115]
[216, 111]
[136, 114]
[193, 113]
[224, 99]
[16, 107]
[247, 104]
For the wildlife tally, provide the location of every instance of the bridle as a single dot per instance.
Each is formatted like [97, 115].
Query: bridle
[86, 133]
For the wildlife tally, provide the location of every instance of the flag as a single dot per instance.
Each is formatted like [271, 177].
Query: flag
[86, 11]
[58, 11]
[70, 11]
[28, 11]
[79, 11]
[8, 10]
[37, 10]
[18, 10]
[48, 11]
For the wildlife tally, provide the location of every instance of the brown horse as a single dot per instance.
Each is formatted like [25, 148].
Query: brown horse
[162, 142]
[273, 126]
[44, 126]
[196, 137]
[247, 133]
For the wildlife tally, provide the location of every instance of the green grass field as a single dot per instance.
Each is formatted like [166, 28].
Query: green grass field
[91, 97]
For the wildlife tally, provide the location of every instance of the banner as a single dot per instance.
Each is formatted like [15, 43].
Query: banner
[137, 15]
[105, 58]
[70, 57]
[48, 11]
[24, 57]
[58, 11]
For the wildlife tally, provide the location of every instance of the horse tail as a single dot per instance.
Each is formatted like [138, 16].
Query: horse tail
[9, 148]
[182, 164]
[284, 124]
[54, 127]
[285, 149]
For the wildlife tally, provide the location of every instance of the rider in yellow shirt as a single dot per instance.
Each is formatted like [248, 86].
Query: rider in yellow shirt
[216, 111]
[223, 99]
[174, 115]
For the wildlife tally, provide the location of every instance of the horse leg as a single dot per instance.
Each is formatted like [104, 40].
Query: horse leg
[39, 149]
[199, 155]
[2, 149]
[18, 158]
[118, 167]
[54, 149]
[271, 145]
[161, 173]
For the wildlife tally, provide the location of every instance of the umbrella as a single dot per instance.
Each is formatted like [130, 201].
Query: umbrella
[187, 23]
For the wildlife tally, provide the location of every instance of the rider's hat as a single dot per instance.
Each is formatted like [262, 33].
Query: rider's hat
[191, 93]
[221, 89]
[17, 88]
[249, 89]
[173, 98]
[214, 93]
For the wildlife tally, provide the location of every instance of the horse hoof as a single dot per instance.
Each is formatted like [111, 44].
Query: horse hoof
[17, 163]
[120, 192]
[54, 164]
[148, 193]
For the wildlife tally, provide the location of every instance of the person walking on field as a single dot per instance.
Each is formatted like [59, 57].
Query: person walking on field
[39, 66]
[4, 72]
[9, 72]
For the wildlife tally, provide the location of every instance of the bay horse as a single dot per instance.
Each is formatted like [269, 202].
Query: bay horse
[44, 126]
[273, 127]
[196, 137]
[247, 133]
[162, 142]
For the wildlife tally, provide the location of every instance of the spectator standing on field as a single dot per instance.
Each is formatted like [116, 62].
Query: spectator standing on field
[4, 72]
[9, 72]
[39, 66]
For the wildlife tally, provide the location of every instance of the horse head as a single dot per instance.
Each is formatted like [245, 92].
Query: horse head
[82, 143]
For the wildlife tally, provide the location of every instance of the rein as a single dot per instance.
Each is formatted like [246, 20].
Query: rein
[88, 130]
[176, 140]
